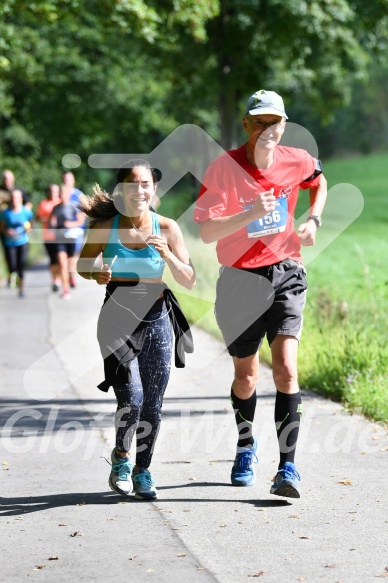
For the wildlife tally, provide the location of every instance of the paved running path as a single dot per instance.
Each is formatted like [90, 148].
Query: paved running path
[57, 428]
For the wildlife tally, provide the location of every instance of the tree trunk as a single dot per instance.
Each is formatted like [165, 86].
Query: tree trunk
[227, 106]
[228, 117]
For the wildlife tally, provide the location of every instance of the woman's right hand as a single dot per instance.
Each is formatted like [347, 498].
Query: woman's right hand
[103, 276]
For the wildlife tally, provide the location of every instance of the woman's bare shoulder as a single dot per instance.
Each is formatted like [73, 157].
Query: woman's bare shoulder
[103, 224]
[166, 223]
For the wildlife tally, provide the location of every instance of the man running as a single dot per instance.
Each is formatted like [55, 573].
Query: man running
[247, 204]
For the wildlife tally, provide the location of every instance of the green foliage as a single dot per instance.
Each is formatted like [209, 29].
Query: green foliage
[75, 77]
[102, 76]
[311, 49]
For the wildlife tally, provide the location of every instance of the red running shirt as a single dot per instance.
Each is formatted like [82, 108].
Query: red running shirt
[231, 184]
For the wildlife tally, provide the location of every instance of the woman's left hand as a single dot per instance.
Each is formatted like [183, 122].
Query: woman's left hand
[160, 245]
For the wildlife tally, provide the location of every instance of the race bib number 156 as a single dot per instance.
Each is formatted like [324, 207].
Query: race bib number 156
[272, 223]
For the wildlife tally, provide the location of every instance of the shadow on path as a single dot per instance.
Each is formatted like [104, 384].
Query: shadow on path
[15, 506]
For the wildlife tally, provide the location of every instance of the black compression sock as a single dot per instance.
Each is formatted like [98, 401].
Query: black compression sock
[288, 411]
[244, 411]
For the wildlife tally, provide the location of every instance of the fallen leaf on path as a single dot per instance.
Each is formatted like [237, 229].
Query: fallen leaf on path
[150, 570]
[304, 536]
[62, 524]
[181, 555]
[301, 578]
[5, 463]
[77, 533]
[53, 558]
[39, 567]
[294, 516]
[345, 482]
[258, 574]
[200, 568]
[331, 566]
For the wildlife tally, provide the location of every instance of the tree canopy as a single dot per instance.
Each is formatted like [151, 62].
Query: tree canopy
[103, 76]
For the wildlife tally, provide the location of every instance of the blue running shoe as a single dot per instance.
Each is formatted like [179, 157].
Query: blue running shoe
[120, 476]
[286, 482]
[243, 473]
[144, 485]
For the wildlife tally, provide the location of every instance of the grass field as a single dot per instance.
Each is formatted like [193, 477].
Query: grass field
[344, 348]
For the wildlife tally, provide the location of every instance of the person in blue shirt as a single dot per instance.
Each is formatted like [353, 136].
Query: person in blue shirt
[139, 314]
[14, 225]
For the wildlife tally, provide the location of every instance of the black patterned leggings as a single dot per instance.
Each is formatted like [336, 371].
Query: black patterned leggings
[139, 403]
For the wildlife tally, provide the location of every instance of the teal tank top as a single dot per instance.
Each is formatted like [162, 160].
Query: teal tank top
[137, 263]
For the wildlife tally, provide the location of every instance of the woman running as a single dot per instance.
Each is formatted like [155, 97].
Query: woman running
[14, 225]
[139, 314]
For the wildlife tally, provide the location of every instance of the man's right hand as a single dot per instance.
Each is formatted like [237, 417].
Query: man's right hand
[264, 204]
[217, 228]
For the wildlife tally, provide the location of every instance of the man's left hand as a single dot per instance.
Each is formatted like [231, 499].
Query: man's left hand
[306, 233]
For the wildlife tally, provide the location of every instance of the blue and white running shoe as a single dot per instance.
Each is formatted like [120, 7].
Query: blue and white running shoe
[243, 473]
[286, 482]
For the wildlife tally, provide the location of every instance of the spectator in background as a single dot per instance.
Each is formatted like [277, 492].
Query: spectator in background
[14, 225]
[7, 186]
[67, 221]
[68, 180]
[43, 214]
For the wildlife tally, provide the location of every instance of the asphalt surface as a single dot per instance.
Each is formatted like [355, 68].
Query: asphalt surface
[61, 522]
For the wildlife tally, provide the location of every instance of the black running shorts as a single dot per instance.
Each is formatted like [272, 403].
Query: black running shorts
[252, 303]
[68, 248]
